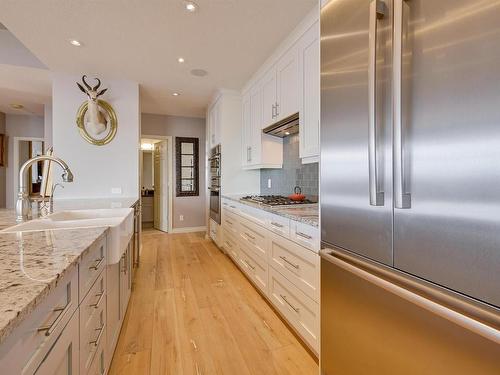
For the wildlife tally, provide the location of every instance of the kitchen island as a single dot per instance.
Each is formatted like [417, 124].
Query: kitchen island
[62, 298]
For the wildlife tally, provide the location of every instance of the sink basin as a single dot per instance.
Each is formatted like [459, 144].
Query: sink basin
[120, 222]
[90, 214]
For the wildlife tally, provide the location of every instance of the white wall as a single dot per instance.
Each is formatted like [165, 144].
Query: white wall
[18, 126]
[97, 169]
[192, 208]
[234, 180]
[47, 119]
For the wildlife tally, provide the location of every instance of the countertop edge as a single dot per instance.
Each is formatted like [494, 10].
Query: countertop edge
[273, 211]
[15, 322]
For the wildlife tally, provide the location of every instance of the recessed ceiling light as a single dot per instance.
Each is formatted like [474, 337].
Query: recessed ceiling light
[175, 94]
[16, 106]
[181, 60]
[287, 133]
[191, 7]
[199, 72]
[75, 43]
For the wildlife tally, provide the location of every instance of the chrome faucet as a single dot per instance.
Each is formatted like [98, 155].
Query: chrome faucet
[23, 205]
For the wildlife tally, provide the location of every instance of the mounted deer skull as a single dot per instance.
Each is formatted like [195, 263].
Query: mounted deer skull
[96, 122]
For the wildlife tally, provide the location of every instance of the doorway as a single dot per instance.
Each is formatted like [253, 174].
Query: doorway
[156, 182]
[26, 148]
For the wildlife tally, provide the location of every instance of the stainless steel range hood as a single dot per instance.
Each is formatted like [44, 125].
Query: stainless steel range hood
[285, 127]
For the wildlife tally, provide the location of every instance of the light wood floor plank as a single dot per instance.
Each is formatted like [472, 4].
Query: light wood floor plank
[192, 312]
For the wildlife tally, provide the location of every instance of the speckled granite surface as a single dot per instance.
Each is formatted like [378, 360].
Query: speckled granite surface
[31, 263]
[307, 213]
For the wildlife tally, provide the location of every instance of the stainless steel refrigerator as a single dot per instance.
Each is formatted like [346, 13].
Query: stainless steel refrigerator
[410, 187]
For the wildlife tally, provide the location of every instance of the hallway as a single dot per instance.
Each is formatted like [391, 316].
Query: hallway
[193, 312]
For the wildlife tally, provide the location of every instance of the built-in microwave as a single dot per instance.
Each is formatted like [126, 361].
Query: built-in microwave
[214, 182]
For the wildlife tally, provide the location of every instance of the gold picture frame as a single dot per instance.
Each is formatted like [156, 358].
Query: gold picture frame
[113, 123]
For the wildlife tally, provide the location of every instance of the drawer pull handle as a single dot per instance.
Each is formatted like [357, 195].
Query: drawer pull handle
[249, 236]
[276, 224]
[296, 309]
[306, 236]
[96, 305]
[97, 264]
[229, 222]
[98, 338]
[249, 265]
[296, 266]
[233, 207]
[51, 327]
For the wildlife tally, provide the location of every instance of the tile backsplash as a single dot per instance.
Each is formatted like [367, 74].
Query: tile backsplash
[293, 173]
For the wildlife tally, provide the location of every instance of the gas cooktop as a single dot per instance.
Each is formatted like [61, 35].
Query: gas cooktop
[275, 200]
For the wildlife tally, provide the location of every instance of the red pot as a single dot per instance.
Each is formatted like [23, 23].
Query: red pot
[297, 196]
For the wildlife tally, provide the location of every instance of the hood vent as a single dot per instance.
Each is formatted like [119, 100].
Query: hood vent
[285, 127]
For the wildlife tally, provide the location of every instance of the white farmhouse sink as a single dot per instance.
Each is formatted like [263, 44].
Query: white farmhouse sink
[120, 222]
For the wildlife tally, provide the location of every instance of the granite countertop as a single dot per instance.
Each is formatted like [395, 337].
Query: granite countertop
[304, 213]
[31, 263]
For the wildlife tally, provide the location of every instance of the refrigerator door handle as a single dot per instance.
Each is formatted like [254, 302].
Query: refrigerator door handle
[445, 312]
[377, 11]
[402, 199]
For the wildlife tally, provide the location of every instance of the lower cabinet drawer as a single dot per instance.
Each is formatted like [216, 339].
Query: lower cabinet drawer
[230, 222]
[231, 245]
[92, 323]
[300, 311]
[306, 235]
[254, 238]
[29, 343]
[256, 268]
[91, 265]
[98, 366]
[297, 264]
[62, 359]
[279, 224]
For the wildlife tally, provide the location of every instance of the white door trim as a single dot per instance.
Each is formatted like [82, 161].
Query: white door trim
[170, 164]
[15, 170]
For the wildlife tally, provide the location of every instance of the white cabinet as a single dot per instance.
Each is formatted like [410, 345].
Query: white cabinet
[214, 124]
[280, 89]
[309, 87]
[62, 359]
[125, 281]
[259, 150]
[287, 82]
[268, 84]
[246, 131]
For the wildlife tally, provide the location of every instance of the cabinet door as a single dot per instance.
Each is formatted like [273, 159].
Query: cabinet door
[211, 125]
[246, 131]
[63, 356]
[268, 85]
[309, 87]
[113, 318]
[125, 282]
[256, 96]
[287, 76]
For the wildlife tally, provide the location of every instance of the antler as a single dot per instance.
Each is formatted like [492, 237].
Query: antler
[98, 84]
[85, 83]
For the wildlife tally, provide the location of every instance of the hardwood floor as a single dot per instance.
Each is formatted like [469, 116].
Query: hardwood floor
[193, 312]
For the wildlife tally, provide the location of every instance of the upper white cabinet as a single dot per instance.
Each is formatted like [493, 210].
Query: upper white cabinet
[309, 93]
[259, 150]
[268, 85]
[280, 89]
[287, 81]
[214, 124]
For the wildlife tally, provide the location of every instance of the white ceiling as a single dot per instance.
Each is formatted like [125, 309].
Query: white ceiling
[140, 40]
[30, 87]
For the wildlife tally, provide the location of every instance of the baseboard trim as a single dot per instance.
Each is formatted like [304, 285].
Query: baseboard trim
[189, 229]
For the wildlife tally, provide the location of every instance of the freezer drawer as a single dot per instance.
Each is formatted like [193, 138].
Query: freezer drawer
[372, 326]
